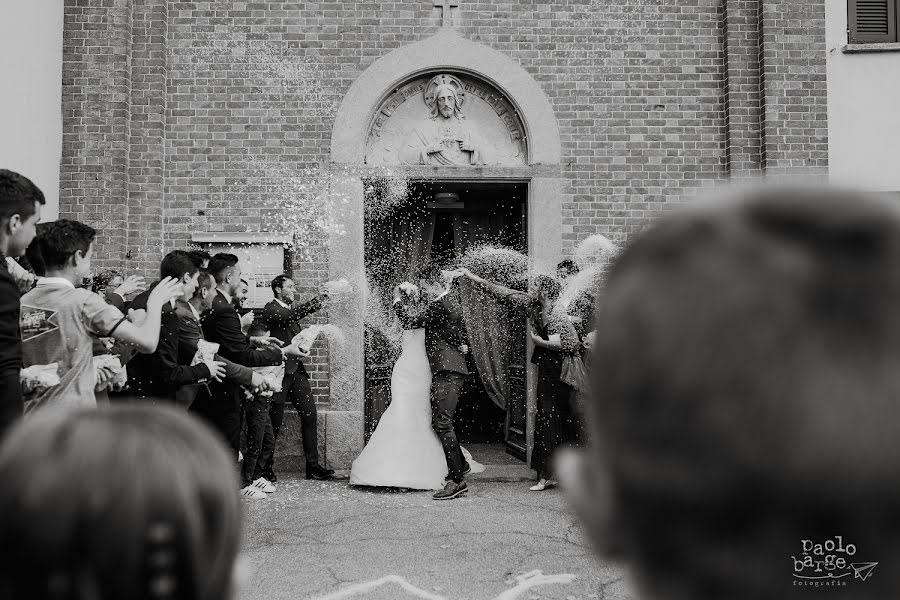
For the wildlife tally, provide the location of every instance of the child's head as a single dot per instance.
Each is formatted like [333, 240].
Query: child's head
[747, 396]
[65, 245]
[132, 501]
[258, 328]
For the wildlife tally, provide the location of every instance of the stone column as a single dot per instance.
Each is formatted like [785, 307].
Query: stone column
[343, 427]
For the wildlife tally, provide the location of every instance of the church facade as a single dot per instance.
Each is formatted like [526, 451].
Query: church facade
[263, 124]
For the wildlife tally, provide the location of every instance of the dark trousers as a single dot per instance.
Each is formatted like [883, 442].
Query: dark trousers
[260, 439]
[11, 405]
[445, 388]
[223, 412]
[297, 390]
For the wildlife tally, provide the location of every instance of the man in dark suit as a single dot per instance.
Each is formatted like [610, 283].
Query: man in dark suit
[161, 374]
[190, 333]
[221, 405]
[445, 342]
[282, 318]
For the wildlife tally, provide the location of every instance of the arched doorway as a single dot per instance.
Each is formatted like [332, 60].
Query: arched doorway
[513, 154]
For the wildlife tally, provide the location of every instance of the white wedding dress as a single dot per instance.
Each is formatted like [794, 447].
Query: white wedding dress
[404, 451]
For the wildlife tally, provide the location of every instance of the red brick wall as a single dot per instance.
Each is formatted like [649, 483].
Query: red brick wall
[795, 130]
[184, 117]
[93, 172]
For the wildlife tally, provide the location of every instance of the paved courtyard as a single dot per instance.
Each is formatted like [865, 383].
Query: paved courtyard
[326, 540]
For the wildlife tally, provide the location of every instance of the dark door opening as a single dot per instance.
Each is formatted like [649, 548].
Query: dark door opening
[437, 221]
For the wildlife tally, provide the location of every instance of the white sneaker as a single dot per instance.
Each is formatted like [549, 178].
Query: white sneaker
[252, 493]
[263, 485]
[541, 485]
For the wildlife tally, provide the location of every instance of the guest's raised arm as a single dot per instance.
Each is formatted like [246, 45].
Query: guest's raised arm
[514, 298]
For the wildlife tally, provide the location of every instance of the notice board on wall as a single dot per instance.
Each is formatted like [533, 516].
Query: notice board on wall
[260, 259]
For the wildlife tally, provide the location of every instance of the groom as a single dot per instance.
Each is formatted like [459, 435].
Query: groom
[445, 340]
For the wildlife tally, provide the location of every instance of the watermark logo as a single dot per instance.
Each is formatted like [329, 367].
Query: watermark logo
[831, 563]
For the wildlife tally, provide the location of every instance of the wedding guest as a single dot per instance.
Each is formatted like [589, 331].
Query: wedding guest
[200, 258]
[20, 210]
[134, 501]
[554, 337]
[190, 333]
[581, 308]
[66, 248]
[282, 317]
[161, 374]
[747, 409]
[260, 445]
[221, 404]
[115, 289]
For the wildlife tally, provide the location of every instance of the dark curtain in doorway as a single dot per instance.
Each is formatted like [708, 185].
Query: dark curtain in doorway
[397, 246]
[491, 346]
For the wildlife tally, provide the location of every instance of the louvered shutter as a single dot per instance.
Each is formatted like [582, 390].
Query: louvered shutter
[872, 21]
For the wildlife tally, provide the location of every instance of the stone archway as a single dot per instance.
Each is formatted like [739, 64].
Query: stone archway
[445, 51]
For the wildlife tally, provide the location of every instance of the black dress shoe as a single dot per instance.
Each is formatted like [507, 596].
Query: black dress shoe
[466, 469]
[451, 490]
[319, 472]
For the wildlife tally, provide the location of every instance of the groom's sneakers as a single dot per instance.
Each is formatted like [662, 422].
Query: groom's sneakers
[451, 490]
[467, 469]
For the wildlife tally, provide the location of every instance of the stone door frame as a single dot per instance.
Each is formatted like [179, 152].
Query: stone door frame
[344, 422]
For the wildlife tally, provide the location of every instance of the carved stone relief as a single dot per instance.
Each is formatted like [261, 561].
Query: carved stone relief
[446, 120]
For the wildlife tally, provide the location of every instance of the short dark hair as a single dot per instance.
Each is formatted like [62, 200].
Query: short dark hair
[745, 391]
[569, 265]
[199, 257]
[176, 264]
[257, 328]
[59, 240]
[278, 283]
[17, 195]
[204, 279]
[103, 279]
[33, 252]
[220, 263]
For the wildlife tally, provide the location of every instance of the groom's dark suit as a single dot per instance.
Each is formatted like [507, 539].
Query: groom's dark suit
[444, 333]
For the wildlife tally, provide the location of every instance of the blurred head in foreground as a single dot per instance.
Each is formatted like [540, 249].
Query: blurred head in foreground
[746, 409]
[130, 502]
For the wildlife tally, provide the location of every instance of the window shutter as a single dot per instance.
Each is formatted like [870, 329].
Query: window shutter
[872, 21]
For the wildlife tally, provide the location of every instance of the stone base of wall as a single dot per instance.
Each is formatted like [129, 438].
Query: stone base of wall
[340, 440]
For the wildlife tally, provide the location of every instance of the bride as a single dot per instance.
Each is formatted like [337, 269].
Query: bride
[404, 451]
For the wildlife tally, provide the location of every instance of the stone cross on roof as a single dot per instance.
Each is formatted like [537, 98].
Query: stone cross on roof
[446, 7]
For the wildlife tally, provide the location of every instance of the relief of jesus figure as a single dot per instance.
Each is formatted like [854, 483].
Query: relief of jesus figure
[445, 137]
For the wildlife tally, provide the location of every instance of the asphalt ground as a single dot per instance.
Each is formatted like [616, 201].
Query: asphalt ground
[328, 541]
